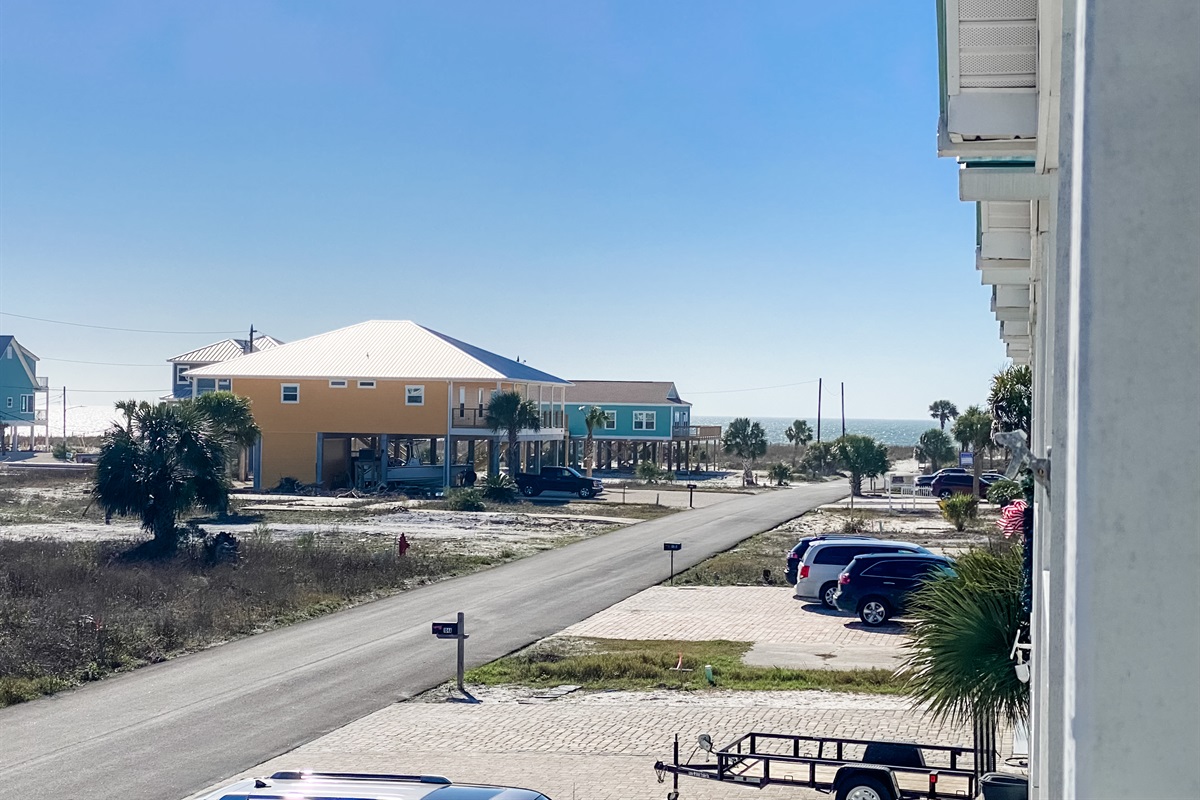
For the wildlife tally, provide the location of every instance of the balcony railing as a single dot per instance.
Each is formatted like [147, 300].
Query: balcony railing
[696, 432]
[464, 417]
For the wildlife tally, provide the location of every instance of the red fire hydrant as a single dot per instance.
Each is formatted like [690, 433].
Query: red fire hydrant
[402, 545]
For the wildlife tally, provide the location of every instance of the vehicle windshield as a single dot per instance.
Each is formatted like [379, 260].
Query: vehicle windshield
[575, 472]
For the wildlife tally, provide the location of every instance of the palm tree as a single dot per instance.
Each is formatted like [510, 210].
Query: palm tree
[231, 418]
[964, 627]
[747, 440]
[799, 434]
[511, 413]
[165, 462]
[935, 447]
[973, 430]
[592, 417]
[1011, 399]
[943, 410]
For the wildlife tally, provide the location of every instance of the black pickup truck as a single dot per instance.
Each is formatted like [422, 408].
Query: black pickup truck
[558, 479]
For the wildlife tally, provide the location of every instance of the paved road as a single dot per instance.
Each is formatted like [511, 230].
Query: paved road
[168, 730]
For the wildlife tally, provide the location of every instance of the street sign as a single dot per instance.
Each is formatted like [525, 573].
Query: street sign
[445, 630]
[672, 546]
[966, 459]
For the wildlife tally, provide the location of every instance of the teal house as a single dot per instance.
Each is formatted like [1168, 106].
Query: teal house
[645, 420]
[19, 386]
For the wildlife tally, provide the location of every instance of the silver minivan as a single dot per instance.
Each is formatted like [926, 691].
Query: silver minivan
[824, 561]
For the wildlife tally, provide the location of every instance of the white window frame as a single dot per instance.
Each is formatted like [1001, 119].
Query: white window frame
[179, 379]
[366, 384]
[610, 420]
[419, 394]
[10, 401]
[338, 384]
[283, 392]
[228, 384]
[645, 420]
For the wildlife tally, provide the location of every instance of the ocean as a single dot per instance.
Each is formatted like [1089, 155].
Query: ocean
[901, 432]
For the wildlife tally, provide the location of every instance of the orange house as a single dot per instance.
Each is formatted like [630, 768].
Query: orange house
[385, 402]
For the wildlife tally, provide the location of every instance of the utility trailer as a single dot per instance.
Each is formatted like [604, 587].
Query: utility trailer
[852, 769]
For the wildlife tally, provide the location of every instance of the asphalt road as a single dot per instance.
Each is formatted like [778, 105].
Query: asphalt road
[166, 731]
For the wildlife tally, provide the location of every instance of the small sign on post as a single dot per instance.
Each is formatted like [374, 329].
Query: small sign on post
[966, 459]
[671, 547]
[691, 487]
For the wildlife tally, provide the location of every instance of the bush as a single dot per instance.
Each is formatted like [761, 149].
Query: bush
[1004, 492]
[500, 488]
[780, 473]
[855, 525]
[60, 450]
[649, 472]
[465, 500]
[958, 509]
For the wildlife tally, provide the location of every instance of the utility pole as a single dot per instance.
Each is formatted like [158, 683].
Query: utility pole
[250, 349]
[819, 392]
[843, 408]
[64, 415]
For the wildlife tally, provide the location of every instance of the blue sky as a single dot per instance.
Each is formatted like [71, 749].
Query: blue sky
[728, 195]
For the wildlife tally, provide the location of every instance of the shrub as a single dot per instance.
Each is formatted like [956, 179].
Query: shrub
[465, 500]
[1004, 492]
[649, 472]
[854, 525]
[500, 488]
[60, 450]
[958, 509]
[780, 473]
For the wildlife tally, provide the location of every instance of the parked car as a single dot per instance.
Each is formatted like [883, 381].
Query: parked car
[795, 556]
[558, 479]
[954, 483]
[994, 476]
[307, 785]
[824, 561]
[927, 480]
[878, 586]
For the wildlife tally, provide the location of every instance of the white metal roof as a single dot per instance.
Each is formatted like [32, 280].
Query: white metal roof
[224, 350]
[378, 349]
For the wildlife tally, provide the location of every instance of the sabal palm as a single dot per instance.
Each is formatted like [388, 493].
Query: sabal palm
[963, 629]
[799, 434]
[943, 410]
[973, 430]
[511, 413]
[1011, 399]
[592, 417]
[164, 462]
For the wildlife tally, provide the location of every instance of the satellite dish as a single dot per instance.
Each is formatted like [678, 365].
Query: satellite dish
[704, 742]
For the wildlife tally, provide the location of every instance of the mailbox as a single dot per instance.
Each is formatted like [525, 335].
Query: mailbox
[672, 546]
[445, 630]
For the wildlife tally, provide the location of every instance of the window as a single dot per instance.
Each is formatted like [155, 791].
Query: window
[224, 385]
[10, 402]
[179, 370]
[610, 420]
[338, 384]
[206, 385]
[643, 420]
[366, 384]
[27, 403]
[414, 395]
[834, 555]
[289, 393]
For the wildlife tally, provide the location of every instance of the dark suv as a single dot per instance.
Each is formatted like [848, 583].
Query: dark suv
[949, 483]
[877, 587]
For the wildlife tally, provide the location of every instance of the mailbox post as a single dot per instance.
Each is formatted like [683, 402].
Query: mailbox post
[691, 488]
[671, 547]
[456, 630]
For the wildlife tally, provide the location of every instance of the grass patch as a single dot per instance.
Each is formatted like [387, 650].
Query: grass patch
[72, 612]
[605, 664]
[743, 565]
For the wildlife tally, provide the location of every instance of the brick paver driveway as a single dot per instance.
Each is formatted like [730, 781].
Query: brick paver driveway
[785, 632]
[602, 746]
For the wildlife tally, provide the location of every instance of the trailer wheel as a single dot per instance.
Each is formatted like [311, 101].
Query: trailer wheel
[864, 788]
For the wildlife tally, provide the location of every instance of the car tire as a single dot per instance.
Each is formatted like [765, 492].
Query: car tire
[826, 594]
[874, 611]
[587, 492]
[529, 491]
[945, 494]
[863, 788]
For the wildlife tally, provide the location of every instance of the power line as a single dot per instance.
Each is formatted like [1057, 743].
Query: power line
[757, 388]
[103, 363]
[126, 330]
